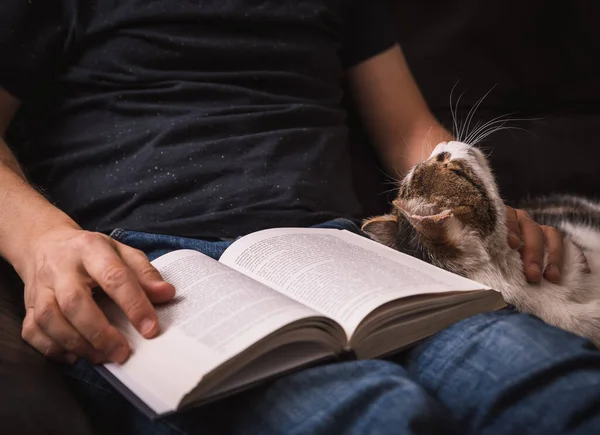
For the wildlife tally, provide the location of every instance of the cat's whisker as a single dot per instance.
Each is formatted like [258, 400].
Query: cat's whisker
[484, 128]
[424, 153]
[476, 127]
[385, 192]
[483, 132]
[403, 155]
[392, 182]
[492, 128]
[455, 126]
[487, 151]
[476, 135]
[474, 109]
[463, 131]
[514, 128]
[476, 131]
[487, 133]
[390, 178]
[509, 128]
[458, 121]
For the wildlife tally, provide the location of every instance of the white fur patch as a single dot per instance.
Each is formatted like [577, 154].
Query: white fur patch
[585, 236]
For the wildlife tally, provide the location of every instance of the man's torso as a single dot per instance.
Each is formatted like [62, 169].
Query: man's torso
[206, 119]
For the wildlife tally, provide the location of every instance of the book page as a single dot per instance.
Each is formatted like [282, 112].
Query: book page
[216, 314]
[341, 274]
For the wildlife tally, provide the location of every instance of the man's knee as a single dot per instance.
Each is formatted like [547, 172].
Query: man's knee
[363, 396]
[354, 372]
[511, 330]
[498, 345]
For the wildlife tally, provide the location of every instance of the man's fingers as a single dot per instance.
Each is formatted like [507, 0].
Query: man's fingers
[117, 280]
[50, 318]
[554, 247]
[33, 335]
[83, 314]
[514, 229]
[533, 247]
[157, 289]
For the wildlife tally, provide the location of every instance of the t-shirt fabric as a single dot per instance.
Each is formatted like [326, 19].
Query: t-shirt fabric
[209, 118]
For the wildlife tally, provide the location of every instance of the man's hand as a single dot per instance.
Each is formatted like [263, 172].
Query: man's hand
[532, 240]
[62, 319]
[60, 264]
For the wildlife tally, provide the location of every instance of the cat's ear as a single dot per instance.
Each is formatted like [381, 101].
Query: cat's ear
[434, 228]
[382, 229]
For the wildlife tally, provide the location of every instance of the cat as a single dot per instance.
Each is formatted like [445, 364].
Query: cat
[449, 212]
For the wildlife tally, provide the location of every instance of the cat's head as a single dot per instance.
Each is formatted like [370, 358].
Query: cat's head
[448, 207]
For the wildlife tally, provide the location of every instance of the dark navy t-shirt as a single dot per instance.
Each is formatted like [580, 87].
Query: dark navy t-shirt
[205, 118]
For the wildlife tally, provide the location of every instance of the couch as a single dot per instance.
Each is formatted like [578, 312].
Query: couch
[538, 56]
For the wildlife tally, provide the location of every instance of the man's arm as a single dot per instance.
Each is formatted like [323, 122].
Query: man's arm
[404, 132]
[403, 128]
[60, 264]
[24, 213]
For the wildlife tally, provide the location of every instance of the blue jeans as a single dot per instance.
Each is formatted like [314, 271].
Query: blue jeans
[494, 373]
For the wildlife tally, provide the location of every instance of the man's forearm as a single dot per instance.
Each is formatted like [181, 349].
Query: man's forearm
[403, 129]
[24, 212]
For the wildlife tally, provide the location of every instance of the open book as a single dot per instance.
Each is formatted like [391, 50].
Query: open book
[276, 301]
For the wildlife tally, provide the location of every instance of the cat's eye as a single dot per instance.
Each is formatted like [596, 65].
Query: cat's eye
[464, 176]
[460, 173]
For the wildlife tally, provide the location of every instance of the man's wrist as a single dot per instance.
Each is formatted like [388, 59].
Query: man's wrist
[19, 249]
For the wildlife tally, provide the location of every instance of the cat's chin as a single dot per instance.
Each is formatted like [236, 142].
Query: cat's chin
[418, 209]
[446, 214]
